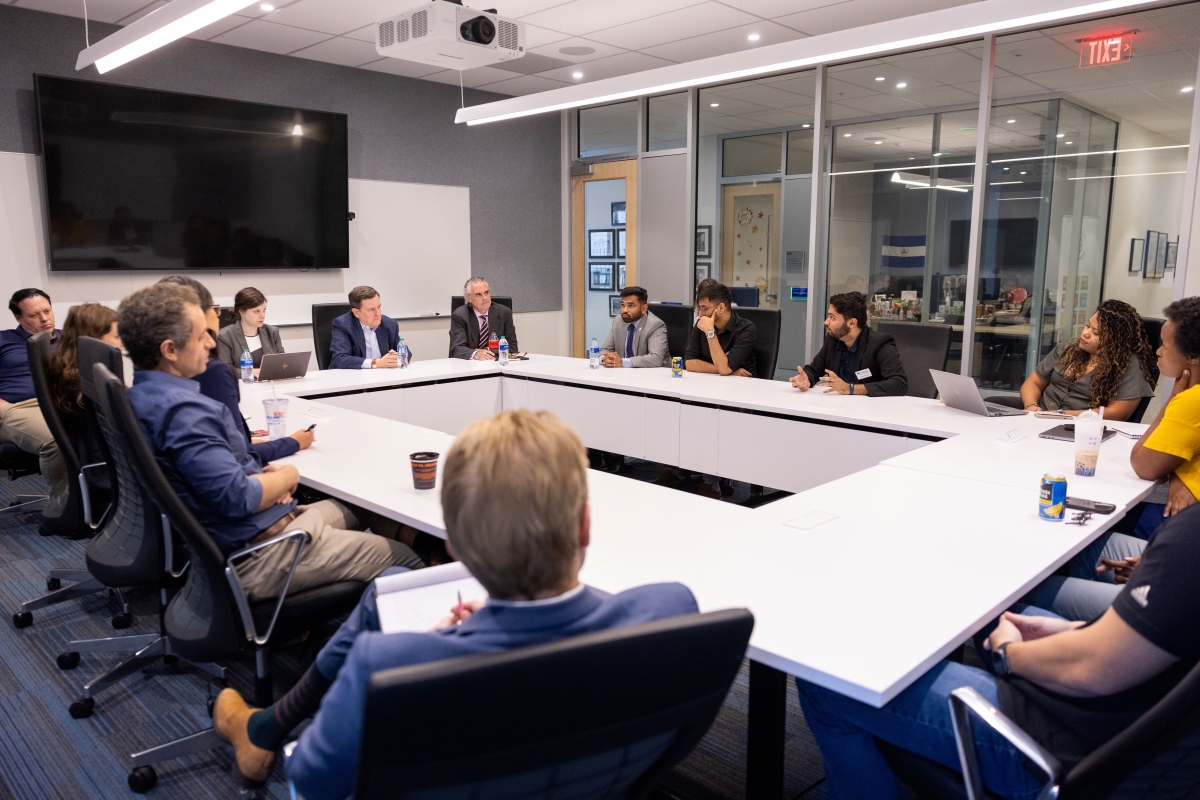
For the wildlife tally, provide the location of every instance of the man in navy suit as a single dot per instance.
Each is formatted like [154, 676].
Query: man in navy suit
[365, 338]
[514, 495]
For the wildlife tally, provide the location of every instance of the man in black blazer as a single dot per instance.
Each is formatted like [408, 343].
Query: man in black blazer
[472, 323]
[854, 359]
[351, 349]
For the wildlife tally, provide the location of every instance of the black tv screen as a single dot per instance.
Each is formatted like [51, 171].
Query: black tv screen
[145, 180]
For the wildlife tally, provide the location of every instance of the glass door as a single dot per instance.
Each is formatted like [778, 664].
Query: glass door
[750, 228]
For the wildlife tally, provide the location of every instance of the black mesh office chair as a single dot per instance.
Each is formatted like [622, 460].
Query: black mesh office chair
[210, 618]
[767, 322]
[19, 464]
[922, 346]
[323, 315]
[1157, 756]
[744, 296]
[602, 715]
[678, 320]
[458, 301]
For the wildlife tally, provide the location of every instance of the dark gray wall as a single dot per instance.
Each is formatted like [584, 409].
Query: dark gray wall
[400, 129]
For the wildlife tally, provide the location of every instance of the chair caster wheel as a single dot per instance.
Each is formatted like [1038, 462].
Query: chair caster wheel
[169, 660]
[68, 660]
[53, 584]
[142, 779]
[122, 620]
[82, 708]
[22, 619]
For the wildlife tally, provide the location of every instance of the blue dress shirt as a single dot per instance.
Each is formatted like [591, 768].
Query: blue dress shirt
[324, 766]
[203, 453]
[219, 383]
[16, 381]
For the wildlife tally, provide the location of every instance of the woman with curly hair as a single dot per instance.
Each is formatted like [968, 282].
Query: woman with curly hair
[1111, 366]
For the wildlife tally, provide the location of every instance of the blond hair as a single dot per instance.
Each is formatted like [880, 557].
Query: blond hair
[513, 491]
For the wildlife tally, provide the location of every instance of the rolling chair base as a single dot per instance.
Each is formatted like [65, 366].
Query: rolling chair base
[25, 500]
[84, 586]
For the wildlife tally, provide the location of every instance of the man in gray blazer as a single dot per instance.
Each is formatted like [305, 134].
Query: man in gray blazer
[638, 338]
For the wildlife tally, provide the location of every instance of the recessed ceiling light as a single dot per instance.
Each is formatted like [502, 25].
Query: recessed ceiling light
[1186, 89]
[912, 158]
[576, 75]
[1006, 169]
[1022, 172]
[881, 78]
[1070, 143]
[901, 85]
[1010, 121]
[1060, 135]
[846, 135]
[806, 125]
[297, 130]
[878, 142]
[714, 105]
[754, 37]
[576, 51]
[266, 7]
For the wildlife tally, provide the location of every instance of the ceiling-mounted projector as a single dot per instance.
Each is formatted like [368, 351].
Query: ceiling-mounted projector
[447, 34]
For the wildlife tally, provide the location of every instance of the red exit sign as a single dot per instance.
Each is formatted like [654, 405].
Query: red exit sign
[1105, 50]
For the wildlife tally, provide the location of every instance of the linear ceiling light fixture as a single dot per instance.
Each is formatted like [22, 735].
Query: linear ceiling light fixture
[956, 23]
[163, 26]
[922, 182]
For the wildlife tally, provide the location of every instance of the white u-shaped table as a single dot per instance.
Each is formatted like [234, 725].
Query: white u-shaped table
[903, 509]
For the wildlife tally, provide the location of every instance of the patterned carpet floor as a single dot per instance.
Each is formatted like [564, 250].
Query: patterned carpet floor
[45, 753]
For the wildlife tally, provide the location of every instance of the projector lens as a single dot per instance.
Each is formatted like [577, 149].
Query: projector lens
[480, 30]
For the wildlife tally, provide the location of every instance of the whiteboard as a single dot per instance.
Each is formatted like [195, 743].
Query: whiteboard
[412, 242]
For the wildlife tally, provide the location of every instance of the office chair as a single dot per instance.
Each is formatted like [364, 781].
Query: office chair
[73, 523]
[744, 296]
[210, 618]
[323, 315]
[458, 301]
[678, 320]
[18, 464]
[602, 715]
[922, 346]
[767, 322]
[1157, 756]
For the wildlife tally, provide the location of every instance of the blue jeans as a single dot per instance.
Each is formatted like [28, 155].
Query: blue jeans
[918, 720]
[1086, 594]
[364, 617]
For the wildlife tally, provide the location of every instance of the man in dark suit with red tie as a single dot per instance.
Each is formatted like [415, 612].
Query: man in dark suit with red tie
[472, 323]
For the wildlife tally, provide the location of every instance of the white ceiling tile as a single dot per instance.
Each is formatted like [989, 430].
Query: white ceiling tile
[335, 16]
[364, 34]
[853, 13]
[260, 35]
[409, 69]
[255, 11]
[516, 9]
[340, 50]
[219, 27]
[102, 11]
[581, 17]
[536, 37]
[471, 78]
[671, 26]
[599, 49]
[620, 64]
[721, 42]
[141, 12]
[525, 84]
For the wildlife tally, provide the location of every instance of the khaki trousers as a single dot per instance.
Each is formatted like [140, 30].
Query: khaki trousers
[23, 425]
[337, 552]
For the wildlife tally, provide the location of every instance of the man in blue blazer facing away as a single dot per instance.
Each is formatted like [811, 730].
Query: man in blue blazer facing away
[514, 495]
[365, 338]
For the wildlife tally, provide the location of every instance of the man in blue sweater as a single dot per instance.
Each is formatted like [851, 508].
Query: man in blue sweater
[514, 494]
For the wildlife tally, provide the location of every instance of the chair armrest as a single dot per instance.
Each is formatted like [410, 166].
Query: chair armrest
[302, 537]
[965, 702]
[86, 495]
[169, 549]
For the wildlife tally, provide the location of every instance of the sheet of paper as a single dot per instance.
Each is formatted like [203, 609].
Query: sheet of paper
[415, 601]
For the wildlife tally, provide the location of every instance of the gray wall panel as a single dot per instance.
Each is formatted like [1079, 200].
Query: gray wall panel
[400, 129]
[664, 269]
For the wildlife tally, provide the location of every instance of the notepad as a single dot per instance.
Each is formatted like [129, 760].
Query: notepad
[413, 602]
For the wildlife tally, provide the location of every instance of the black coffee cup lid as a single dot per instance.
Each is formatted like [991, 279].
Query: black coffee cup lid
[424, 456]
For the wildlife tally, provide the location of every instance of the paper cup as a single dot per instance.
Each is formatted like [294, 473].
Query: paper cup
[276, 409]
[424, 469]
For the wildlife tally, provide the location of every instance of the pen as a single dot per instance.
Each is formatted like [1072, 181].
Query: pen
[458, 611]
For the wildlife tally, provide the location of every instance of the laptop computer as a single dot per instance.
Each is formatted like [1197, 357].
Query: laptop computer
[960, 391]
[278, 366]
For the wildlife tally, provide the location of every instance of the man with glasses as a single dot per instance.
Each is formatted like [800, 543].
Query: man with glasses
[21, 421]
[721, 341]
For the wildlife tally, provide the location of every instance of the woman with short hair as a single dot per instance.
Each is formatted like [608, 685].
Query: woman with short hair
[1110, 366]
[249, 331]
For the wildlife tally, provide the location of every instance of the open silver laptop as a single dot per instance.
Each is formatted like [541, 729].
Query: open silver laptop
[278, 366]
[960, 391]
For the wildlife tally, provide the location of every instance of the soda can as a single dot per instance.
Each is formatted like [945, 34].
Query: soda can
[677, 367]
[1052, 498]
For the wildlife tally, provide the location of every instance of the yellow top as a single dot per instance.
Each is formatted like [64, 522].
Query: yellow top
[1179, 435]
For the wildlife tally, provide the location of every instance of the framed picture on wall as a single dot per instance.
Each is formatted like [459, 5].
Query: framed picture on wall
[704, 241]
[618, 213]
[620, 276]
[602, 244]
[703, 270]
[1172, 255]
[600, 277]
[1160, 258]
[1137, 255]
[1156, 254]
[621, 243]
[614, 304]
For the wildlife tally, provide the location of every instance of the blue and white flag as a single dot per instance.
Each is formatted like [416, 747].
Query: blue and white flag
[904, 252]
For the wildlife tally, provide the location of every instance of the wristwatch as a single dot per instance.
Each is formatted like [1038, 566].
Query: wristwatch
[1000, 660]
[709, 334]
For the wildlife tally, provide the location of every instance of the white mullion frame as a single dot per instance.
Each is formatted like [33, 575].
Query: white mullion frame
[975, 240]
[1179, 290]
[817, 225]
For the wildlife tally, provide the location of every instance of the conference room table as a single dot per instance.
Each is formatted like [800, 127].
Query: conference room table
[912, 525]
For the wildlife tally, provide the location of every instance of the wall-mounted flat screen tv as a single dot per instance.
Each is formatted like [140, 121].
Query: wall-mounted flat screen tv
[146, 180]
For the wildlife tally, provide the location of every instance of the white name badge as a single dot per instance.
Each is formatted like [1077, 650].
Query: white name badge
[863, 373]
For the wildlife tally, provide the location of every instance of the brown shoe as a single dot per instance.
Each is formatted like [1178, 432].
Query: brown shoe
[230, 716]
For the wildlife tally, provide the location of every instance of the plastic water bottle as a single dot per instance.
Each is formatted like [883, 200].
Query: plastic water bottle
[503, 352]
[402, 353]
[247, 365]
[594, 361]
